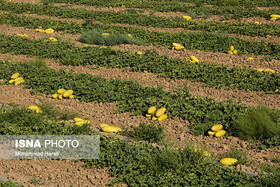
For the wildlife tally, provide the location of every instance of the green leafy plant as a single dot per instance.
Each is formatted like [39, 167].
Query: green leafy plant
[151, 132]
[36, 181]
[22, 121]
[276, 159]
[269, 169]
[55, 113]
[39, 62]
[201, 128]
[258, 123]
[137, 163]
[9, 183]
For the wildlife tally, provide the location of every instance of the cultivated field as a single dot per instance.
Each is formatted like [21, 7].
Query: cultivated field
[163, 73]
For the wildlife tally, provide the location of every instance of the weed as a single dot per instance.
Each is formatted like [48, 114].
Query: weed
[150, 133]
[6, 170]
[269, 169]
[201, 128]
[55, 113]
[39, 62]
[240, 155]
[36, 181]
[258, 123]
[134, 11]
[276, 159]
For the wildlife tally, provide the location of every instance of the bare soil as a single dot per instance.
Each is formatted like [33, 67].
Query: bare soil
[54, 173]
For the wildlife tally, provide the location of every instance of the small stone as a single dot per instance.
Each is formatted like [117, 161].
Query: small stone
[250, 174]
[182, 136]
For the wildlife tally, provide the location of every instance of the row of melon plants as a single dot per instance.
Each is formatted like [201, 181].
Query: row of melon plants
[212, 74]
[131, 162]
[195, 41]
[197, 10]
[239, 3]
[250, 29]
[131, 97]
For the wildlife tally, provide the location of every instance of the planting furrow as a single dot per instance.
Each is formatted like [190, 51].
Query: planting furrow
[142, 20]
[53, 172]
[127, 94]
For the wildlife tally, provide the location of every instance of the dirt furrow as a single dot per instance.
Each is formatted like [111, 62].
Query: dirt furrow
[42, 172]
[258, 61]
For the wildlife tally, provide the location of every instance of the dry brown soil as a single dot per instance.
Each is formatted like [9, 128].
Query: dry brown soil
[54, 173]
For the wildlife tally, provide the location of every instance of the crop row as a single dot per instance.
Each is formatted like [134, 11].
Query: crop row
[213, 74]
[250, 29]
[247, 3]
[174, 6]
[130, 96]
[202, 112]
[196, 41]
[133, 163]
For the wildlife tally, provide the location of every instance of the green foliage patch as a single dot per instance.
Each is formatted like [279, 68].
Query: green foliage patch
[151, 132]
[140, 163]
[9, 184]
[258, 123]
[22, 121]
[269, 169]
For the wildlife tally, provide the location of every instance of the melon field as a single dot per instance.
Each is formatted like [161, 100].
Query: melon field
[180, 92]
